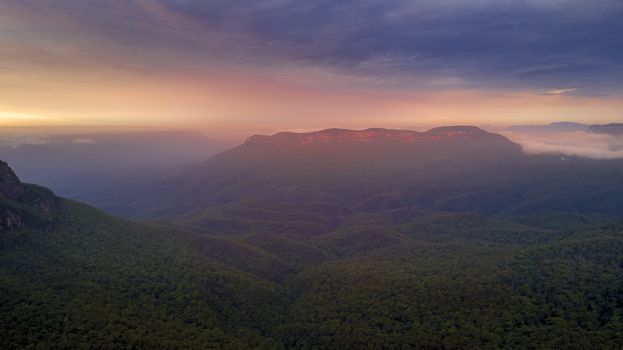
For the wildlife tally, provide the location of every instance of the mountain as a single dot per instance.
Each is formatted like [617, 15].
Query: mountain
[24, 205]
[318, 167]
[309, 275]
[336, 150]
[375, 135]
[552, 127]
[610, 129]
[377, 142]
[322, 175]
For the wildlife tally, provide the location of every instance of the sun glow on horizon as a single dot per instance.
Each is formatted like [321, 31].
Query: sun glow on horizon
[10, 118]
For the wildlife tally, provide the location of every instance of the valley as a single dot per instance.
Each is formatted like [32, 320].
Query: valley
[451, 242]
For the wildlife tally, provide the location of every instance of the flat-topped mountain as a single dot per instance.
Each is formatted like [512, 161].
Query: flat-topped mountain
[341, 149]
[450, 168]
[24, 205]
[373, 135]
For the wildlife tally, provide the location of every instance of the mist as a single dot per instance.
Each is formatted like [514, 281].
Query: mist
[78, 164]
[576, 143]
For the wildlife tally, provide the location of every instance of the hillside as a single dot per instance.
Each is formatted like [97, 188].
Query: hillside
[272, 275]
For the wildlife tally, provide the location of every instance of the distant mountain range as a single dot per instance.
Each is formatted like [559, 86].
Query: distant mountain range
[611, 129]
[553, 127]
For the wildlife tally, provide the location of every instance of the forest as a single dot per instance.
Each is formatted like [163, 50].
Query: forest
[98, 281]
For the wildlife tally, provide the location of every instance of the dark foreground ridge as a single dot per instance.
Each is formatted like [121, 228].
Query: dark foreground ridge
[23, 204]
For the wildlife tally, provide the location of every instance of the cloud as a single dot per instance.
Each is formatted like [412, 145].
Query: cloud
[578, 143]
[15, 140]
[83, 141]
[512, 44]
[8, 141]
[560, 91]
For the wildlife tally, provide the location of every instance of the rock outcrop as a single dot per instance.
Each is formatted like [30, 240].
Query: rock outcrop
[24, 205]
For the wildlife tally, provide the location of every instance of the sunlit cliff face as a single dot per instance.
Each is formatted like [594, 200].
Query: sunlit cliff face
[344, 136]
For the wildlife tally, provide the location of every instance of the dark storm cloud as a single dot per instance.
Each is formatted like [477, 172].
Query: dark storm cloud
[563, 45]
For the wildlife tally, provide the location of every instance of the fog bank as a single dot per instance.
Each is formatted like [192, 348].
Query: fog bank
[576, 143]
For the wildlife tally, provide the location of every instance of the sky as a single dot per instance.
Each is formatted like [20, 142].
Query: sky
[247, 66]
